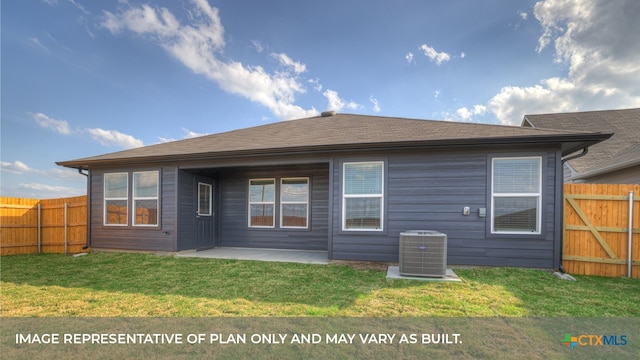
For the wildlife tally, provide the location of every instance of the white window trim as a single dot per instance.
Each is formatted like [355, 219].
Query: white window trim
[105, 199]
[265, 202]
[347, 196]
[210, 213]
[282, 202]
[134, 198]
[537, 195]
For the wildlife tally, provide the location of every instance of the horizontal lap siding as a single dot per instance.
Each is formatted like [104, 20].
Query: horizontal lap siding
[234, 230]
[186, 206]
[427, 191]
[160, 238]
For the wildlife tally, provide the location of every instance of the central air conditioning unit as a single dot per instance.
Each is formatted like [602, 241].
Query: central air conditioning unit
[423, 253]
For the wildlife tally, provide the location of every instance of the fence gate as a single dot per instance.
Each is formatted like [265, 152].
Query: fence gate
[601, 229]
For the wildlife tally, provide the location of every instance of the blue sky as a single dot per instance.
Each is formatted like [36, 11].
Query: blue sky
[82, 78]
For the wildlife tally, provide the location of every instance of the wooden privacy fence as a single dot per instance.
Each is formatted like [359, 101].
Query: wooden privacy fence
[29, 226]
[602, 230]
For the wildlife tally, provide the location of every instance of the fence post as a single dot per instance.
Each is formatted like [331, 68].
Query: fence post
[39, 228]
[66, 226]
[630, 234]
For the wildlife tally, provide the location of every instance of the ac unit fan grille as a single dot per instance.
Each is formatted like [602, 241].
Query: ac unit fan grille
[423, 253]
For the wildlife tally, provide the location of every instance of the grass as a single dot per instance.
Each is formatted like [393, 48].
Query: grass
[145, 285]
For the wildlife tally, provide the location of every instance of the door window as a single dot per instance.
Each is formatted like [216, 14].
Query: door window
[204, 199]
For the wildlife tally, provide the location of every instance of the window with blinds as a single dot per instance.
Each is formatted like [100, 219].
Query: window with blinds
[516, 195]
[362, 196]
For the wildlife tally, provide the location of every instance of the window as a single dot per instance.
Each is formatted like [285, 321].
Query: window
[116, 192]
[204, 199]
[362, 196]
[262, 197]
[294, 203]
[145, 198]
[516, 195]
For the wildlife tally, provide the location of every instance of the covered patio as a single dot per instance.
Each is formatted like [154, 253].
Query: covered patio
[279, 255]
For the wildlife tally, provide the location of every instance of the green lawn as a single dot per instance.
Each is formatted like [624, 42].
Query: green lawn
[145, 285]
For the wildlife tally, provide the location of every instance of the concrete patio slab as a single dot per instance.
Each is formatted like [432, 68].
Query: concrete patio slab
[279, 255]
[393, 272]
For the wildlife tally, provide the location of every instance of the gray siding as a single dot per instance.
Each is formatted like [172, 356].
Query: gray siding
[424, 189]
[233, 213]
[428, 190]
[156, 238]
[186, 204]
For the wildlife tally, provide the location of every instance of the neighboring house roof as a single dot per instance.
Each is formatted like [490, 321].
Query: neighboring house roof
[622, 150]
[336, 132]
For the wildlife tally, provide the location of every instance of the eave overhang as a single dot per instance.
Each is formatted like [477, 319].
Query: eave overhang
[569, 143]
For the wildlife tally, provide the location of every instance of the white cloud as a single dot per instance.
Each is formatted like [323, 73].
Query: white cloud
[597, 42]
[76, 183]
[196, 46]
[114, 138]
[551, 95]
[45, 191]
[104, 137]
[433, 55]
[20, 168]
[336, 103]
[376, 105]
[409, 57]
[316, 84]
[49, 188]
[188, 134]
[257, 45]
[59, 126]
[466, 114]
[286, 61]
[16, 167]
[523, 15]
[39, 44]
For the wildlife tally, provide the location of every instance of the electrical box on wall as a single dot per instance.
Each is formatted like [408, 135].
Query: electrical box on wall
[466, 211]
[482, 212]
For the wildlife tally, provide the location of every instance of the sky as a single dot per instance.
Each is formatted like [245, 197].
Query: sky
[81, 78]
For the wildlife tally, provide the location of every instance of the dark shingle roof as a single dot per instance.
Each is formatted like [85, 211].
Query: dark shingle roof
[622, 149]
[337, 132]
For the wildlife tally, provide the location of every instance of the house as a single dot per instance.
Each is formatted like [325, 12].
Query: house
[345, 184]
[615, 161]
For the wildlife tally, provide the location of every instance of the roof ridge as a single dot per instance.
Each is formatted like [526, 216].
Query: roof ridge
[580, 112]
[339, 132]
